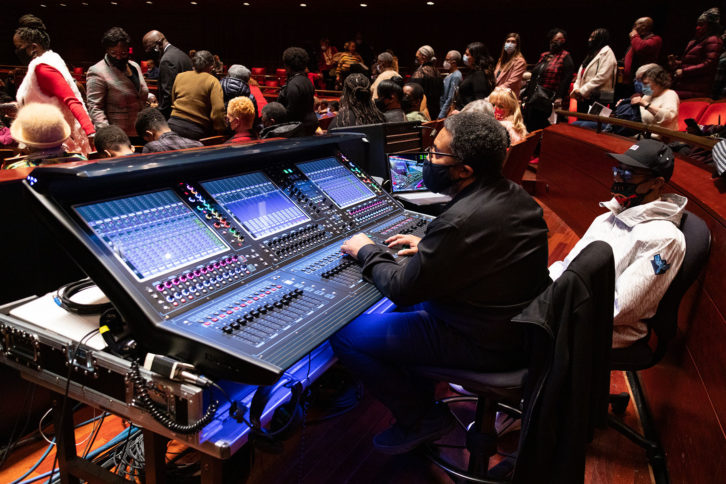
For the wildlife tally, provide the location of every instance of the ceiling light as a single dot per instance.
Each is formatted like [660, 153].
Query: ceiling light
[85, 4]
[43, 5]
[149, 2]
[193, 3]
[303, 4]
[429, 3]
[62, 4]
[246, 4]
[114, 3]
[363, 4]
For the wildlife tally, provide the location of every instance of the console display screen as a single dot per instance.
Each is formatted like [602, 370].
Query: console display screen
[336, 181]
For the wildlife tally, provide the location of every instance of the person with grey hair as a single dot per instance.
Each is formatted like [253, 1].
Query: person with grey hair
[479, 106]
[237, 84]
[487, 251]
[197, 109]
[386, 68]
[452, 81]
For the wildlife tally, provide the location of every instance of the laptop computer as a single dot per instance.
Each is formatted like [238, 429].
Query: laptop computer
[406, 175]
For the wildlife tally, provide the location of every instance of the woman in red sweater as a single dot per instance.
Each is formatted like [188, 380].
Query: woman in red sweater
[49, 81]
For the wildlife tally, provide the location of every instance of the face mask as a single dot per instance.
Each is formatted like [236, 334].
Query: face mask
[509, 47]
[120, 64]
[447, 65]
[23, 55]
[416, 62]
[436, 177]
[499, 114]
[647, 90]
[638, 86]
[590, 44]
[465, 59]
[154, 52]
[556, 47]
[626, 195]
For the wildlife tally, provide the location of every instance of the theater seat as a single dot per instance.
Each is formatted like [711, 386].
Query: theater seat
[572, 108]
[272, 83]
[519, 156]
[690, 108]
[714, 114]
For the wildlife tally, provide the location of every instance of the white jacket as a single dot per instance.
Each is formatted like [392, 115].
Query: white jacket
[598, 75]
[648, 247]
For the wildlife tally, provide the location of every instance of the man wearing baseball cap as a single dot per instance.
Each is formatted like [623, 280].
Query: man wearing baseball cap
[641, 226]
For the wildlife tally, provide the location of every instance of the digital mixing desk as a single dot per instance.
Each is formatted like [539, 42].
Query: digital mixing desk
[228, 257]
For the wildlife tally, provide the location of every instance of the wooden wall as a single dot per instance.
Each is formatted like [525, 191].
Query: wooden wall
[686, 392]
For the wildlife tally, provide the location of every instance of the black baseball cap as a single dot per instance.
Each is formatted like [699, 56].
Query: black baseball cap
[650, 154]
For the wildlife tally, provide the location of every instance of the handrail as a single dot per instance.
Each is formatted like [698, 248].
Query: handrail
[693, 140]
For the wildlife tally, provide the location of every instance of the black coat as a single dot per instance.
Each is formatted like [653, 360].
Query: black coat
[476, 85]
[298, 97]
[172, 63]
[571, 326]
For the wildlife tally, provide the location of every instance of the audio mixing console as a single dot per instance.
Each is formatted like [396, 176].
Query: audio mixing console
[228, 257]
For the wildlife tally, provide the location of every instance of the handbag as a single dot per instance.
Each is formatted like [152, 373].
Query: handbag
[538, 98]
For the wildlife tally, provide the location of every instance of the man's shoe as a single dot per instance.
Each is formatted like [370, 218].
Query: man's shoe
[398, 439]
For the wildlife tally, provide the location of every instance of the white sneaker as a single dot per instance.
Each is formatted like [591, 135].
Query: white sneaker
[505, 424]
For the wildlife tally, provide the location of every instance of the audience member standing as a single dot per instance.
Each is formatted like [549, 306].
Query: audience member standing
[48, 81]
[695, 71]
[197, 109]
[644, 48]
[390, 94]
[115, 88]
[237, 84]
[297, 95]
[428, 76]
[152, 126]
[172, 61]
[326, 64]
[480, 81]
[386, 70]
[511, 64]
[356, 104]
[348, 61]
[595, 81]
[451, 82]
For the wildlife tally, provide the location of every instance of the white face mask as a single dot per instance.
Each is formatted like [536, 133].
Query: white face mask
[447, 65]
[509, 47]
[465, 59]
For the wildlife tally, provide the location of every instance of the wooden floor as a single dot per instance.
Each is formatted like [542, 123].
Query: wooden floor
[339, 450]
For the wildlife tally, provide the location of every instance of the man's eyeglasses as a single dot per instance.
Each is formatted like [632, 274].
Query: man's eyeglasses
[626, 174]
[431, 152]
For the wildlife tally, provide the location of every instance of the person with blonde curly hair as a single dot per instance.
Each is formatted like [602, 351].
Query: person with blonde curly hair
[507, 112]
[240, 117]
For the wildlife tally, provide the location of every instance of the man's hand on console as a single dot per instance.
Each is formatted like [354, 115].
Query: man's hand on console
[354, 244]
[404, 240]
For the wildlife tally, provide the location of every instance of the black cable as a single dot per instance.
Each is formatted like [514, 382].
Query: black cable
[160, 415]
[65, 293]
[11, 445]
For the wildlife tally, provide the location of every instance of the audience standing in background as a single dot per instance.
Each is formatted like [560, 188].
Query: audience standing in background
[218, 67]
[595, 81]
[172, 61]
[240, 119]
[153, 128]
[511, 64]
[719, 80]
[152, 71]
[48, 81]
[298, 94]
[694, 72]
[428, 76]
[644, 48]
[478, 84]
[390, 94]
[275, 124]
[348, 61]
[111, 141]
[356, 104]
[197, 100]
[413, 95]
[326, 62]
[115, 88]
[553, 74]
[386, 70]
[451, 82]
[41, 131]
[507, 112]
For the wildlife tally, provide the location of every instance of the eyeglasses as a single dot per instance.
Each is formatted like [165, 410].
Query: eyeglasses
[431, 152]
[627, 174]
[118, 53]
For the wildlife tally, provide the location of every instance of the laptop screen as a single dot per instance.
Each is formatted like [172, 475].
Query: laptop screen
[407, 172]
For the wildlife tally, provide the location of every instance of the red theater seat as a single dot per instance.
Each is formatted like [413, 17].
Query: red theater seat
[690, 108]
[272, 83]
[714, 114]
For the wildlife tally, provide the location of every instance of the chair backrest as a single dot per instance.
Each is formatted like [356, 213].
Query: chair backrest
[429, 131]
[519, 156]
[698, 244]
[213, 140]
[690, 109]
[714, 114]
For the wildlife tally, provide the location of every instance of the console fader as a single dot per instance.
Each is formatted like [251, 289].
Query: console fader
[228, 258]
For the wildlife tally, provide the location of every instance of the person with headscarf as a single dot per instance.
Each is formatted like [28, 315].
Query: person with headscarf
[48, 81]
[356, 104]
[694, 72]
[427, 75]
[595, 81]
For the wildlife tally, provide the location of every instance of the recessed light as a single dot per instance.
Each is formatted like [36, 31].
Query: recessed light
[149, 2]
[85, 4]
[62, 4]
[193, 3]
[114, 3]
[429, 3]
[363, 4]
[246, 4]
[43, 5]
[303, 4]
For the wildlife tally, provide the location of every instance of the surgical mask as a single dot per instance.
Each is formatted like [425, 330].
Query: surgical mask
[626, 195]
[436, 177]
[465, 59]
[509, 47]
[647, 90]
[499, 114]
[447, 65]
[120, 64]
[23, 56]
[638, 86]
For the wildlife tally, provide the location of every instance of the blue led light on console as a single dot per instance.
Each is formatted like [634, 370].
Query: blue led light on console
[256, 203]
[152, 233]
[336, 181]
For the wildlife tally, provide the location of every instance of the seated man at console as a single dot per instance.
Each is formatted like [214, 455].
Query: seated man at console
[641, 225]
[480, 262]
